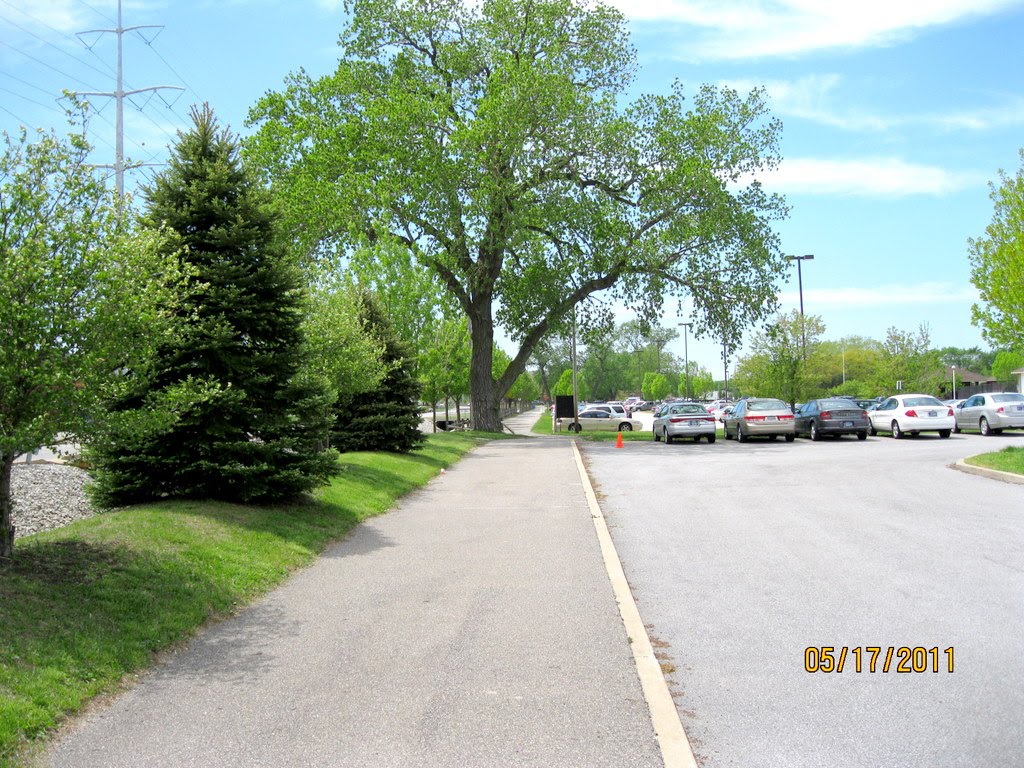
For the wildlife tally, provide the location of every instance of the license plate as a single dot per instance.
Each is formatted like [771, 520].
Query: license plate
[771, 418]
[847, 423]
[693, 423]
[1018, 407]
[933, 414]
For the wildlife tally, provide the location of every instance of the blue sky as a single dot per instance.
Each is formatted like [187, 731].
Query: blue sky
[896, 116]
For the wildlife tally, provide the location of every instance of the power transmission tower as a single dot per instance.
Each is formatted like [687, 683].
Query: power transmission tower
[118, 95]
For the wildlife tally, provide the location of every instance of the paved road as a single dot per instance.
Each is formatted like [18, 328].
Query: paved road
[741, 556]
[472, 626]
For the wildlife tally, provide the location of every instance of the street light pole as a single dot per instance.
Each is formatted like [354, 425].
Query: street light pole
[800, 283]
[686, 355]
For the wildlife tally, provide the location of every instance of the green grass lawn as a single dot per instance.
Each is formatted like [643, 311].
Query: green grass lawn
[1010, 459]
[83, 606]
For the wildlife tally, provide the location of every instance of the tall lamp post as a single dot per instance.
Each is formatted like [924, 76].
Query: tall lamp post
[800, 283]
[686, 355]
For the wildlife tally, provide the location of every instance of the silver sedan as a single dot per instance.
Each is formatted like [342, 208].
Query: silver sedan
[991, 412]
[684, 420]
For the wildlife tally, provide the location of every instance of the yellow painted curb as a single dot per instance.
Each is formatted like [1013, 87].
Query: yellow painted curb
[675, 747]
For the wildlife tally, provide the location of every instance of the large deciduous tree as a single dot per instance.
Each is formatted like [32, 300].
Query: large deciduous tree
[79, 290]
[997, 264]
[252, 423]
[493, 141]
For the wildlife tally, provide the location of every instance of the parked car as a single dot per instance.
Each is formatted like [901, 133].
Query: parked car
[911, 414]
[594, 420]
[991, 413]
[756, 416]
[612, 409]
[831, 416]
[683, 420]
[719, 407]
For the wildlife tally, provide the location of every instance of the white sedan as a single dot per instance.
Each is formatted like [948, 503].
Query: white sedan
[600, 420]
[912, 414]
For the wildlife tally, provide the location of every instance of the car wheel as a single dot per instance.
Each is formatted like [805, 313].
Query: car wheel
[668, 437]
[711, 438]
[657, 436]
[625, 427]
[862, 435]
[740, 437]
[897, 433]
[815, 434]
[872, 431]
[945, 432]
[984, 427]
[727, 435]
[575, 428]
[956, 428]
[790, 438]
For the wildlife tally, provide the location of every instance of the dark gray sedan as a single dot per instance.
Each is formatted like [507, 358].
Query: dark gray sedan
[831, 416]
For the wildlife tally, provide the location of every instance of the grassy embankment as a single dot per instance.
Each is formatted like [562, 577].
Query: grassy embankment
[1010, 459]
[84, 606]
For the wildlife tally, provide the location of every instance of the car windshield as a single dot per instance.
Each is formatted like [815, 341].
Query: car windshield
[919, 401]
[1009, 398]
[836, 404]
[766, 405]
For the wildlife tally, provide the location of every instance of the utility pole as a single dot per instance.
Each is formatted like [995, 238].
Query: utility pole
[686, 355]
[118, 95]
[800, 280]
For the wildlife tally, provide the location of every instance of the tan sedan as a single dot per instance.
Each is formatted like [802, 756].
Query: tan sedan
[760, 416]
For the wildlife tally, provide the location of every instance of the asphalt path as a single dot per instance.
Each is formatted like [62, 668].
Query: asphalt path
[472, 626]
[741, 556]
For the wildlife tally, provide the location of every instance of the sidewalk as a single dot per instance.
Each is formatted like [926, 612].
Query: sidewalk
[472, 626]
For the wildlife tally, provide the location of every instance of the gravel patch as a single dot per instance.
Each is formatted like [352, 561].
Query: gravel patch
[47, 496]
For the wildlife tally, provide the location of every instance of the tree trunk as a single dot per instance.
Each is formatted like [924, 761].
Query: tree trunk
[484, 398]
[6, 508]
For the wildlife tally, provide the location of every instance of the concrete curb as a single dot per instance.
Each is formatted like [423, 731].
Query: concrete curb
[994, 474]
[675, 747]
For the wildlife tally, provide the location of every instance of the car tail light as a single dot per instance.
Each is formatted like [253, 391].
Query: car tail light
[707, 418]
[1000, 409]
[826, 414]
[753, 418]
[953, 414]
[785, 417]
[912, 413]
[676, 420]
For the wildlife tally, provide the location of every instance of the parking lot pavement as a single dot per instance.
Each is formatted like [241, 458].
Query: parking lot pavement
[744, 556]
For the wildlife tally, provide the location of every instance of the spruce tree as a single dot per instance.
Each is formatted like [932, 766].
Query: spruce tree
[387, 418]
[241, 421]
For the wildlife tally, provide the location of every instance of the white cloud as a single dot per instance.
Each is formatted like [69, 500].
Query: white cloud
[813, 98]
[872, 177]
[892, 294]
[742, 29]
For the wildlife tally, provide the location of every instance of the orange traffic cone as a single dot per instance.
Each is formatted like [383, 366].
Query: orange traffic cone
[618, 441]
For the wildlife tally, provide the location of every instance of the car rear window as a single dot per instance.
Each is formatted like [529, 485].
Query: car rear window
[919, 401]
[837, 404]
[766, 405]
[1011, 398]
[688, 409]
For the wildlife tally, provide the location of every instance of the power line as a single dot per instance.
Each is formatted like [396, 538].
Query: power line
[48, 66]
[47, 42]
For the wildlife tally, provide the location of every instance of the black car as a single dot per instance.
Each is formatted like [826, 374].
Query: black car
[831, 416]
